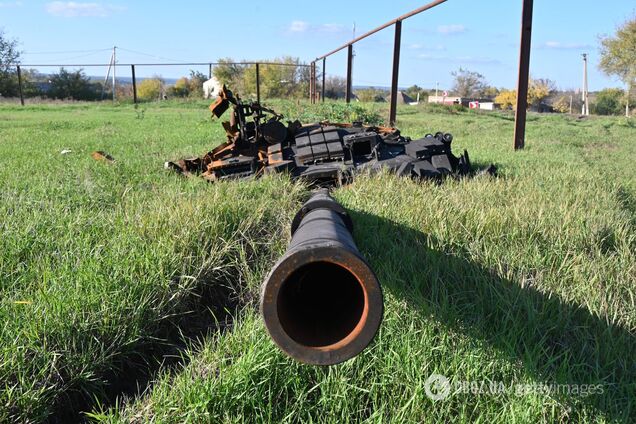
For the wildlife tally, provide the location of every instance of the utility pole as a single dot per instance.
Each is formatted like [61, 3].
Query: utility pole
[436, 89]
[586, 105]
[114, 68]
[110, 65]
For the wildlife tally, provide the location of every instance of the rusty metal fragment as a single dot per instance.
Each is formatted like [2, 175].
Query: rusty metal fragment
[325, 153]
[103, 156]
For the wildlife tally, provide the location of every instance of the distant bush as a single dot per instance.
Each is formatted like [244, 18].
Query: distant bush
[188, 87]
[151, 89]
[538, 91]
[443, 109]
[330, 111]
[507, 99]
[181, 88]
[371, 95]
[609, 101]
[73, 85]
[562, 104]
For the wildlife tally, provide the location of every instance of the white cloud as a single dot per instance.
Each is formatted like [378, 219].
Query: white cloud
[451, 29]
[71, 9]
[8, 4]
[563, 46]
[298, 26]
[417, 46]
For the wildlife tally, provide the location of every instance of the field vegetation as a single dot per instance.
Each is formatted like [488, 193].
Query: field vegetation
[128, 294]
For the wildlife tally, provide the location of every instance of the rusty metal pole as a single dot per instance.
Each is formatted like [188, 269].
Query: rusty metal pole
[396, 71]
[258, 83]
[315, 75]
[20, 85]
[349, 69]
[324, 67]
[524, 73]
[312, 83]
[134, 82]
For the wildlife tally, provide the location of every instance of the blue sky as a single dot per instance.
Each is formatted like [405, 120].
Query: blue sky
[481, 36]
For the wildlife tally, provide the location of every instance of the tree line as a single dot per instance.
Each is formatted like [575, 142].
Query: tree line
[286, 77]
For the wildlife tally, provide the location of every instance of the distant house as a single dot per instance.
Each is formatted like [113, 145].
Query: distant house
[211, 88]
[402, 98]
[445, 100]
[472, 103]
[484, 105]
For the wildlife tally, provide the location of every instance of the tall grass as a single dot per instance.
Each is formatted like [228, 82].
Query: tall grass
[525, 279]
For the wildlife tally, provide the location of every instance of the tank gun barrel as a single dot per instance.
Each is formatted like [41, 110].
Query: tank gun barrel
[321, 302]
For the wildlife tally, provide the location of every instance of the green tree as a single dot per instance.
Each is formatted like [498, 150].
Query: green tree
[280, 78]
[73, 85]
[490, 92]
[230, 73]
[414, 90]
[335, 87]
[195, 83]
[609, 102]
[538, 91]
[468, 83]
[181, 88]
[9, 56]
[151, 88]
[618, 57]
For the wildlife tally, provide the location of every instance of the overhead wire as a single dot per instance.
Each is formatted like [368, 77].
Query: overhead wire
[148, 54]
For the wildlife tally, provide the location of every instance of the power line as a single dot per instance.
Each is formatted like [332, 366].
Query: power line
[83, 55]
[148, 54]
[69, 51]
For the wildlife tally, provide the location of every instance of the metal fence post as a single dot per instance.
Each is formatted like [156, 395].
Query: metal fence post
[134, 82]
[349, 70]
[324, 72]
[396, 71]
[20, 85]
[524, 72]
[258, 83]
[313, 83]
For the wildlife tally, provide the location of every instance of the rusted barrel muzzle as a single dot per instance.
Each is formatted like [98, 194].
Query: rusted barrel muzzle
[321, 302]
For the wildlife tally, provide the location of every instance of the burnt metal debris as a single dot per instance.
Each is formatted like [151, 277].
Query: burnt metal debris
[325, 153]
[321, 302]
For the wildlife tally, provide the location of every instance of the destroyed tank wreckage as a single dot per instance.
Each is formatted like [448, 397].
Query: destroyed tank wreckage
[324, 153]
[321, 302]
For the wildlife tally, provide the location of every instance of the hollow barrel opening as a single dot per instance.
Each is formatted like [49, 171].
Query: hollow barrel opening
[320, 304]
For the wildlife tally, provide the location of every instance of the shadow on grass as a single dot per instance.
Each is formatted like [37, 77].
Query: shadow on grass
[210, 310]
[557, 342]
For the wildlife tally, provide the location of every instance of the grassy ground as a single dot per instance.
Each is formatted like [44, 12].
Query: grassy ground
[108, 272]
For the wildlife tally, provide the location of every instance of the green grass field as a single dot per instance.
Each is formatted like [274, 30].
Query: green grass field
[129, 294]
